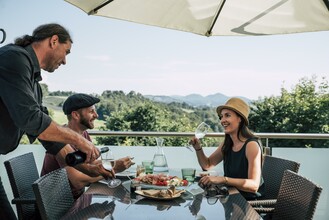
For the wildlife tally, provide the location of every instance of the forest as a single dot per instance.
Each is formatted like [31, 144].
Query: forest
[303, 109]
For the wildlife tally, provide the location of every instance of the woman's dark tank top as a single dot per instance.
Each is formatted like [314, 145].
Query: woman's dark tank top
[236, 166]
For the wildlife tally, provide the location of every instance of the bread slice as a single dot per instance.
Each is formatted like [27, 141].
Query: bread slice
[151, 192]
[164, 194]
[171, 191]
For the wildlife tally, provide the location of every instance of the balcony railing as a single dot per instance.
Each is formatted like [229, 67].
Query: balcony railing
[265, 136]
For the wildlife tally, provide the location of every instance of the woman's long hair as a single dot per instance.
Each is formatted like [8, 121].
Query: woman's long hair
[243, 132]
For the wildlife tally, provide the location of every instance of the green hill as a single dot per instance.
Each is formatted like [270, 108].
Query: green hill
[54, 105]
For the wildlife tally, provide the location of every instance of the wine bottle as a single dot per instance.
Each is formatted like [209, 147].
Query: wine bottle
[78, 157]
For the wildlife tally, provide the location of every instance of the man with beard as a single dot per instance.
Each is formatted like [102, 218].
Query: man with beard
[21, 108]
[81, 114]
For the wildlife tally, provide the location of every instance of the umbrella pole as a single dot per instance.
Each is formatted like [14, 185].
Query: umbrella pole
[215, 19]
[94, 11]
[326, 2]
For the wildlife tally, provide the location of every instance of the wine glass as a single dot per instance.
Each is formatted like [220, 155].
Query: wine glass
[108, 162]
[200, 132]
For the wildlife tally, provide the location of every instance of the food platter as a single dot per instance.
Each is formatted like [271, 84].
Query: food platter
[161, 181]
[157, 197]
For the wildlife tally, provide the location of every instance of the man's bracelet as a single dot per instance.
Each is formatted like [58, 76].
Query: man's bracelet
[199, 149]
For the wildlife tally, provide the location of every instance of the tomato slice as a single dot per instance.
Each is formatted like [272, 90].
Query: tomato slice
[161, 183]
[184, 182]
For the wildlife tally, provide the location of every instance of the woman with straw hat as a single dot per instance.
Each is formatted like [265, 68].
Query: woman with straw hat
[240, 152]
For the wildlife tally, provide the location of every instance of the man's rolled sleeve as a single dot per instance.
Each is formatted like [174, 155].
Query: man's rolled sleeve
[52, 147]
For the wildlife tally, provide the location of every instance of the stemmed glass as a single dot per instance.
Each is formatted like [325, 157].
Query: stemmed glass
[200, 132]
[108, 162]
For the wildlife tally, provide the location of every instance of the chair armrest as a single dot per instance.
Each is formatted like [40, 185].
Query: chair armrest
[264, 202]
[23, 201]
[262, 210]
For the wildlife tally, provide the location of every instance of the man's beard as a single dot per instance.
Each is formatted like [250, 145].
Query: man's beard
[86, 123]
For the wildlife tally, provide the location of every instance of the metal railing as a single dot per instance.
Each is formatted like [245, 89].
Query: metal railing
[267, 136]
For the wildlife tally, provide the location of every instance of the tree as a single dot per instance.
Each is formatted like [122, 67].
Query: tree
[303, 110]
[149, 117]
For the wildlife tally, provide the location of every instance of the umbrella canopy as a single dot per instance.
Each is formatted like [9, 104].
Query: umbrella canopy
[217, 17]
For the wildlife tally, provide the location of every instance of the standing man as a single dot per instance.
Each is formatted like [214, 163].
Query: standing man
[21, 109]
[81, 114]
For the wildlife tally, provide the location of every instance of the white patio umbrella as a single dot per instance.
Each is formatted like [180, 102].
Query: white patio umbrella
[217, 17]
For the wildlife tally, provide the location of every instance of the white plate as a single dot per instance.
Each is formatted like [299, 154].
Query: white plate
[126, 173]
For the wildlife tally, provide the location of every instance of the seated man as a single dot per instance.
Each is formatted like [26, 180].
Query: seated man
[81, 113]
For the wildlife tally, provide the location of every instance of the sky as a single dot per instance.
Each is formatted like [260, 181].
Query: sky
[110, 54]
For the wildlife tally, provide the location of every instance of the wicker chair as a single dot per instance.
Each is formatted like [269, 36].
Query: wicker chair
[273, 169]
[297, 199]
[22, 172]
[53, 194]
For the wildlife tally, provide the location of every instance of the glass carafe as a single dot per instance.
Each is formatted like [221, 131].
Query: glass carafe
[160, 162]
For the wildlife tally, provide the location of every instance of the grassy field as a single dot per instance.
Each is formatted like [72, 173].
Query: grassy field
[54, 104]
[61, 119]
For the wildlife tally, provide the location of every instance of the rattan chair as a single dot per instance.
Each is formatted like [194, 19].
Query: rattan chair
[272, 171]
[22, 172]
[53, 194]
[297, 199]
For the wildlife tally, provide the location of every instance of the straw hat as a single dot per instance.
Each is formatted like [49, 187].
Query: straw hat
[237, 105]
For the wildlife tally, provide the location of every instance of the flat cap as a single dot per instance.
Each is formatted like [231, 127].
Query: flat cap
[77, 101]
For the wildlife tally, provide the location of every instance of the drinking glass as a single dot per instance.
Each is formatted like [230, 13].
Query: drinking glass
[200, 132]
[148, 165]
[188, 174]
[108, 162]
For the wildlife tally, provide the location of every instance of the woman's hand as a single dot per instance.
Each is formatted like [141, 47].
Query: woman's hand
[195, 142]
[208, 180]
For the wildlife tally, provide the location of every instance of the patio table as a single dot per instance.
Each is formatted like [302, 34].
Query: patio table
[102, 202]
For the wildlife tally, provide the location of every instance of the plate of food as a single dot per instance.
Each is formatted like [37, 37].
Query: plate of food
[160, 181]
[126, 174]
[161, 194]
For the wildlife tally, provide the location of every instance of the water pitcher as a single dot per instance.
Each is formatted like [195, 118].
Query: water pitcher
[159, 159]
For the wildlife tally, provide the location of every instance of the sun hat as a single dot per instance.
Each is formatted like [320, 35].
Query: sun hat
[237, 105]
[77, 101]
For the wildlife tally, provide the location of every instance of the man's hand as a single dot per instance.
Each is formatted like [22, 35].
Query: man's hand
[95, 169]
[106, 173]
[55, 132]
[123, 164]
[89, 149]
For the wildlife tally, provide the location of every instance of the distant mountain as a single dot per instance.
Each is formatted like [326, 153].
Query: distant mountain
[195, 100]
